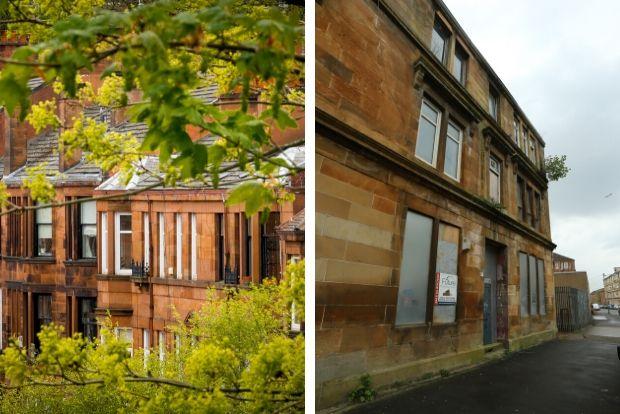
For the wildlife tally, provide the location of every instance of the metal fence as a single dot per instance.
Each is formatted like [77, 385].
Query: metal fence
[572, 309]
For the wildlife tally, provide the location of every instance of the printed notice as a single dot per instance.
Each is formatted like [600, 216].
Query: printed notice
[445, 289]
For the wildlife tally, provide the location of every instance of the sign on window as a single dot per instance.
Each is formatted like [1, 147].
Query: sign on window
[445, 289]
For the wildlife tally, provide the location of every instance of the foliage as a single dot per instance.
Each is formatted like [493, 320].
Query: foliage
[364, 392]
[234, 355]
[556, 167]
[146, 60]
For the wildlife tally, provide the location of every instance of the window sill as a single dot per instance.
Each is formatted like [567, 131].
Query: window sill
[113, 277]
[81, 262]
[39, 260]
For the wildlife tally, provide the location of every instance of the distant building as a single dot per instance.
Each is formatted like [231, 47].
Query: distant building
[571, 294]
[598, 296]
[563, 263]
[611, 285]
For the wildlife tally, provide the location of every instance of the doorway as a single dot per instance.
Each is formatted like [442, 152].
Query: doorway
[495, 302]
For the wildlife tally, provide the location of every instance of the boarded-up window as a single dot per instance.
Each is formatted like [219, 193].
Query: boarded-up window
[447, 266]
[524, 283]
[533, 286]
[413, 286]
[541, 286]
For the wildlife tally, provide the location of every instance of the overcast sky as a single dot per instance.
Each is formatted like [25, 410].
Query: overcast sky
[560, 62]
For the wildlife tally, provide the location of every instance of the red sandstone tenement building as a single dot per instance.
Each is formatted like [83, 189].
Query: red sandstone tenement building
[433, 246]
[146, 260]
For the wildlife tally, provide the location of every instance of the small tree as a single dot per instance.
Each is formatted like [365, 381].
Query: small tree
[556, 168]
[236, 354]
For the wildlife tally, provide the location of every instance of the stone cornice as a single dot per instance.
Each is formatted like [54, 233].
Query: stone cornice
[367, 146]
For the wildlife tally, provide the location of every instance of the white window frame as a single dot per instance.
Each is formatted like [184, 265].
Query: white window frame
[194, 252]
[117, 244]
[437, 131]
[117, 332]
[516, 130]
[179, 245]
[147, 238]
[146, 345]
[162, 345]
[460, 144]
[499, 179]
[162, 245]
[104, 243]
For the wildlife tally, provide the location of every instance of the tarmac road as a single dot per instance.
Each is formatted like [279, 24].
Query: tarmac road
[562, 376]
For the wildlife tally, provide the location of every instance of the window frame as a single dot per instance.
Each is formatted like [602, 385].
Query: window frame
[161, 221]
[36, 227]
[432, 270]
[179, 245]
[146, 229]
[117, 246]
[104, 242]
[441, 30]
[494, 97]
[463, 58]
[455, 125]
[494, 158]
[194, 247]
[81, 230]
[438, 127]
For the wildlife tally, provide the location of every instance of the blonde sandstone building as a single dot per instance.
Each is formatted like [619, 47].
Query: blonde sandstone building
[432, 224]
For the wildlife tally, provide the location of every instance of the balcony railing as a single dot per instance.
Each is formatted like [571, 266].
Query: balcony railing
[139, 271]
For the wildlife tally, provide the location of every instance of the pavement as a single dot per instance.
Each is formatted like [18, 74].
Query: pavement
[572, 374]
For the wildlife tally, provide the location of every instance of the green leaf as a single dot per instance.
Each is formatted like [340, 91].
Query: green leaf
[255, 196]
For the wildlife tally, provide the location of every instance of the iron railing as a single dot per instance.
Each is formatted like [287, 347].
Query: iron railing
[572, 309]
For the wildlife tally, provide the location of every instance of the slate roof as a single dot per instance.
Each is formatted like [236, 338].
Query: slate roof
[34, 83]
[297, 223]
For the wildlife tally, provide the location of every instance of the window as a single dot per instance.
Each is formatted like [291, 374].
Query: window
[541, 286]
[194, 252]
[523, 284]
[452, 163]
[219, 235]
[494, 103]
[528, 205]
[87, 322]
[122, 244]
[520, 198]
[532, 285]
[88, 230]
[516, 125]
[162, 345]
[125, 335]
[146, 345]
[162, 245]
[104, 243]
[533, 151]
[459, 69]
[537, 208]
[248, 245]
[415, 267]
[439, 41]
[495, 180]
[416, 271]
[428, 133]
[147, 239]
[43, 228]
[179, 246]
